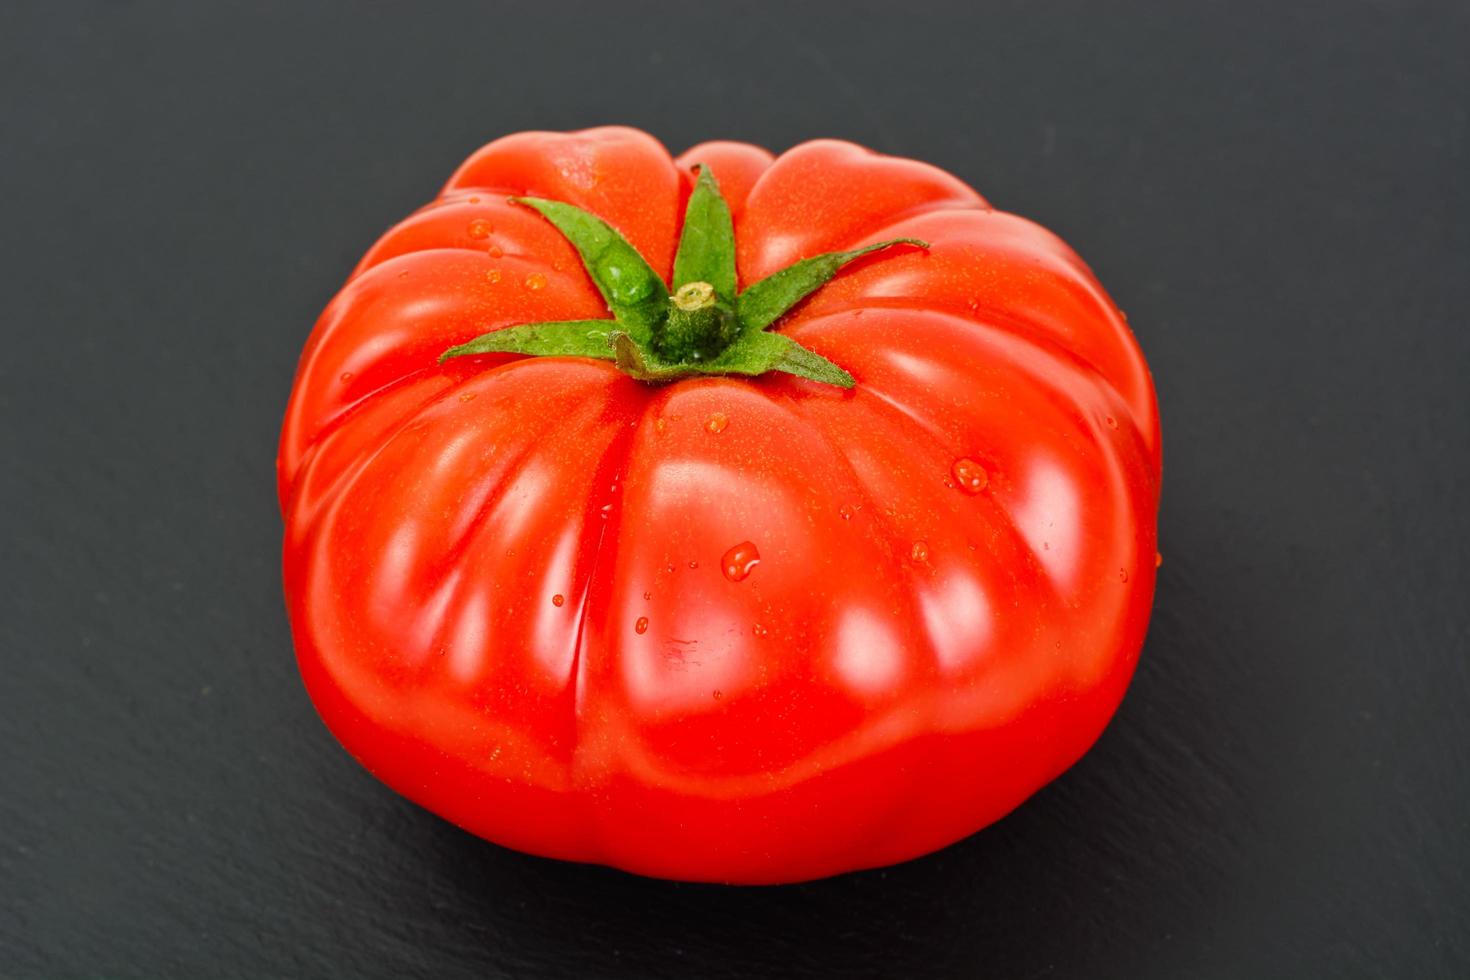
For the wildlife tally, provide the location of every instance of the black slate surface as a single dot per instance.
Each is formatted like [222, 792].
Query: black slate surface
[1277, 194]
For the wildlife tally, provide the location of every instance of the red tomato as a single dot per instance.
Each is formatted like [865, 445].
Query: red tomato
[741, 629]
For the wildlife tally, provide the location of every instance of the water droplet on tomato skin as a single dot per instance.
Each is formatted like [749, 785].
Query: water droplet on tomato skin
[480, 228]
[920, 551]
[647, 596]
[1112, 422]
[641, 626]
[345, 377]
[474, 200]
[716, 423]
[1122, 575]
[846, 511]
[495, 251]
[693, 563]
[604, 511]
[758, 630]
[623, 288]
[558, 599]
[740, 561]
[969, 476]
[718, 694]
[493, 275]
[467, 396]
[535, 281]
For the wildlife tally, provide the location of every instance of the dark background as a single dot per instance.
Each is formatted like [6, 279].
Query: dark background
[1276, 196]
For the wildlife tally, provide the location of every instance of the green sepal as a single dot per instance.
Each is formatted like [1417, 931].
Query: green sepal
[641, 363]
[705, 329]
[707, 243]
[634, 293]
[557, 338]
[763, 303]
[751, 354]
[760, 351]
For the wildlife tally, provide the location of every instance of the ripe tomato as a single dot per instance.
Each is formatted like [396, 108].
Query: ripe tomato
[761, 622]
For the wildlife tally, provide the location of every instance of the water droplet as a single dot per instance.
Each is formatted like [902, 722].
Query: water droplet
[474, 200]
[605, 510]
[717, 422]
[495, 251]
[622, 288]
[668, 569]
[647, 595]
[718, 695]
[403, 274]
[493, 275]
[920, 551]
[693, 563]
[641, 626]
[558, 599]
[1112, 422]
[1158, 558]
[1122, 575]
[345, 377]
[467, 396]
[1123, 315]
[846, 511]
[480, 228]
[969, 475]
[740, 561]
[535, 281]
[758, 630]
[660, 425]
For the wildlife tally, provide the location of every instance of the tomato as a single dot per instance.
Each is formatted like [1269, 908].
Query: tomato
[828, 595]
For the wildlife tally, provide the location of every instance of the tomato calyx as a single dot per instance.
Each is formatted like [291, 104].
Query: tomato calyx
[705, 327]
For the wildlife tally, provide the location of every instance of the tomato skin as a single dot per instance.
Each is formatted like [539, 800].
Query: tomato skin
[504, 574]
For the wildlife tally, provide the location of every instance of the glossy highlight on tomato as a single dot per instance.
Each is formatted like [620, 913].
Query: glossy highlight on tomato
[749, 627]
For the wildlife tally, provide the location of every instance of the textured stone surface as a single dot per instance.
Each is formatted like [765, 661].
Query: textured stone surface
[1277, 196]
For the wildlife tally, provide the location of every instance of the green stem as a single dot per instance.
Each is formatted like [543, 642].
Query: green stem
[698, 325]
